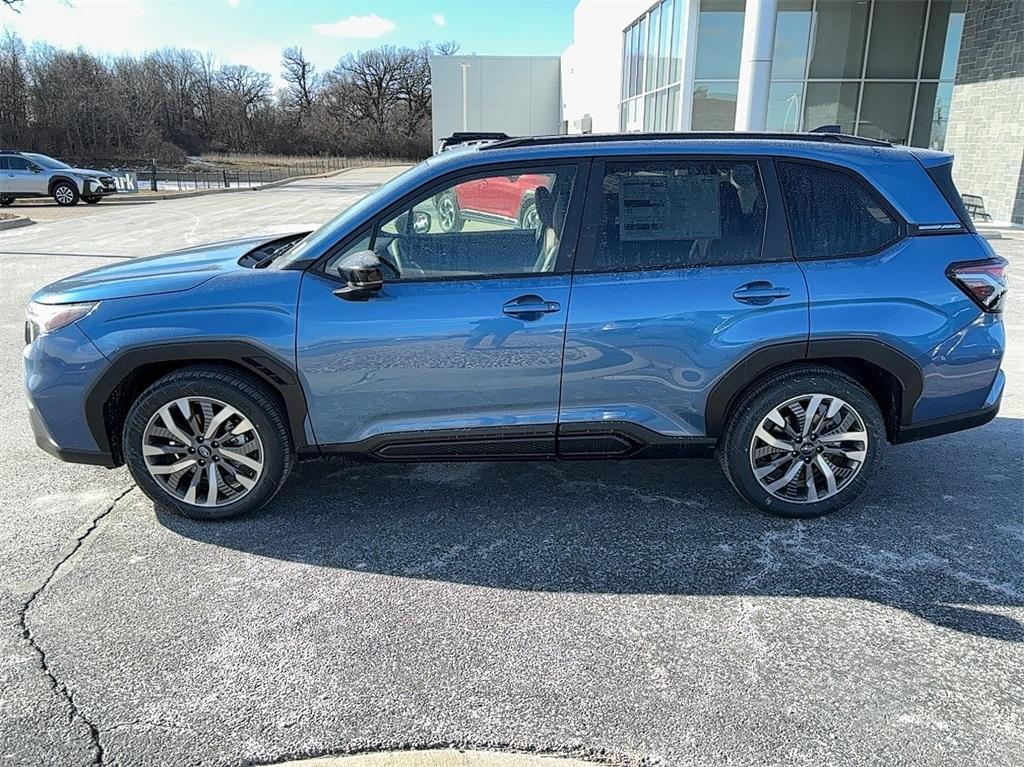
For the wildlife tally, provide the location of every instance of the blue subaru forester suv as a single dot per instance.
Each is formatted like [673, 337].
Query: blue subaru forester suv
[789, 303]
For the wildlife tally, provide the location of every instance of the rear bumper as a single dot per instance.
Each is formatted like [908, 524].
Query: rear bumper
[958, 422]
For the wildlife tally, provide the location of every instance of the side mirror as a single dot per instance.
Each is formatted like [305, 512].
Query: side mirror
[35, 169]
[420, 222]
[362, 275]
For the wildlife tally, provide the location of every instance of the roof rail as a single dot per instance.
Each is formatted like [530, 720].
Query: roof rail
[471, 137]
[598, 138]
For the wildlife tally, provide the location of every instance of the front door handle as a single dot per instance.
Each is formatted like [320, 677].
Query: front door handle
[530, 307]
[759, 293]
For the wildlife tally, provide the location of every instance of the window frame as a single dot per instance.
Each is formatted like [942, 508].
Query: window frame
[9, 158]
[567, 245]
[902, 229]
[775, 237]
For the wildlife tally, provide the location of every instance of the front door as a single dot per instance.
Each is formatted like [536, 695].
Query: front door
[683, 269]
[460, 353]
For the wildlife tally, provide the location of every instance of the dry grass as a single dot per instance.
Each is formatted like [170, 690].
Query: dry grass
[240, 161]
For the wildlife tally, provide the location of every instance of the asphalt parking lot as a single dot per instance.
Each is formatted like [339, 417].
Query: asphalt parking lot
[636, 613]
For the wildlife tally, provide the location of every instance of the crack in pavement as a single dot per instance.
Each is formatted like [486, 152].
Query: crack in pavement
[26, 632]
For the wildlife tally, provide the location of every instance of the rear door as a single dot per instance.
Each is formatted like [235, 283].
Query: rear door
[20, 179]
[684, 267]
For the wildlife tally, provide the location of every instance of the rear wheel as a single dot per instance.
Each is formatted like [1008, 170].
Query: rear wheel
[449, 218]
[803, 443]
[208, 443]
[5, 201]
[65, 193]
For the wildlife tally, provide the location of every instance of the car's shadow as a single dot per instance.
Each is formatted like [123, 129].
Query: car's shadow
[940, 534]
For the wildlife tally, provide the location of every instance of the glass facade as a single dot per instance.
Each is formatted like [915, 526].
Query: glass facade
[877, 68]
[651, 70]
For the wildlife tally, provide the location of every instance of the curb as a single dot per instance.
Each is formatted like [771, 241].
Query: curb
[15, 223]
[439, 758]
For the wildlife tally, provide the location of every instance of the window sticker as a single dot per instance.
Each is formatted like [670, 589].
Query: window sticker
[659, 207]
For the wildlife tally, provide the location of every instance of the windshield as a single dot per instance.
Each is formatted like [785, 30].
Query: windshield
[46, 162]
[328, 233]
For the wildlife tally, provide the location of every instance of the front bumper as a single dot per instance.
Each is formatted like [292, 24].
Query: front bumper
[93, 187]
[953, 423]
[60, 368]
[71, 455]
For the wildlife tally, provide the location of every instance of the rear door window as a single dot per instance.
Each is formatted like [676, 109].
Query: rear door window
[832, 214]
[679, 213]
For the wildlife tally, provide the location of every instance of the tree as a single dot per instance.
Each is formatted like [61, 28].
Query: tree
[173, 102]
[300, 75]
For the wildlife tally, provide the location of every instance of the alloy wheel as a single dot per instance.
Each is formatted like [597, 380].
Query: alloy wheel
[530, 218]
[65, 195]
[809, 448]
[203, 451]
[446, 213]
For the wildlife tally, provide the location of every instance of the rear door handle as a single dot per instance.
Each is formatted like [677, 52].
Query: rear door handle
[759, 293]
[529, 307]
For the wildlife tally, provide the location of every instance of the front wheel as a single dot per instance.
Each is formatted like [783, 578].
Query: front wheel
[5, 201]
[65, 193]
[208, 443]
[528, 218]
[803, 443]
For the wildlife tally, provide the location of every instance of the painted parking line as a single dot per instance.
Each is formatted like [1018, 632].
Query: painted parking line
[441, 758]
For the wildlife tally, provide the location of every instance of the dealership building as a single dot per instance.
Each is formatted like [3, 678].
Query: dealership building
[946, 74]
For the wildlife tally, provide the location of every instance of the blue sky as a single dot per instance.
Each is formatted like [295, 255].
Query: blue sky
[254, 31]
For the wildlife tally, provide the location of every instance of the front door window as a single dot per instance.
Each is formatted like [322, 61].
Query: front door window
[499, 224]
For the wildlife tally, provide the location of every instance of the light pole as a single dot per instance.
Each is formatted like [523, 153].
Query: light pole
[465, 108]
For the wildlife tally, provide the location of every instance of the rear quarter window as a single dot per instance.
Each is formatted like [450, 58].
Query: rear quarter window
[833, 214]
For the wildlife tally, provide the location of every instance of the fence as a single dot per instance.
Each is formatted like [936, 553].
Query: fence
[158, 179]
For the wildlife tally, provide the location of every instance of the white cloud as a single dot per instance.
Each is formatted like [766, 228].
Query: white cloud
[234, 3]
[86, 22]
[438, 19]
[356, 26]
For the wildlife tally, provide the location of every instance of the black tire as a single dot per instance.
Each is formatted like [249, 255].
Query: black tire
[245, 393]
[753, 408]
[65, 194]
[91, 200]
[449, 217]
[5, 201]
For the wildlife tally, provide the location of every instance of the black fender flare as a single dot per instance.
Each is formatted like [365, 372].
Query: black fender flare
[726, 390]
[54, 180]
[265, 365]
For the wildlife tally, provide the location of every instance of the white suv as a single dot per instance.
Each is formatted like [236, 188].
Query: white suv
[27, 174]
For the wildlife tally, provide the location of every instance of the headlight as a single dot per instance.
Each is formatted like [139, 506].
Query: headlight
[46, 318]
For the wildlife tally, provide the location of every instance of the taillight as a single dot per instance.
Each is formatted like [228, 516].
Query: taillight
[984, 281]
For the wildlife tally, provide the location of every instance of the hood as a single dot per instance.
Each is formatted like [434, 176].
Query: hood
[169, 273]
[86, 172]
